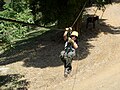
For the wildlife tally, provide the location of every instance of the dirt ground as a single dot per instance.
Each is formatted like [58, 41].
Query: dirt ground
[98, 54]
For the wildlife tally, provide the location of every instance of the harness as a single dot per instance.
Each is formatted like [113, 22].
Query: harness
[68, 48]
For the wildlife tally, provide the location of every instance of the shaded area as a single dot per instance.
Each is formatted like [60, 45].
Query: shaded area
[101, 26]
[1, 5]
[41, 51]
[44, 50]
[116, 1]
[107, 28]
[13, 81]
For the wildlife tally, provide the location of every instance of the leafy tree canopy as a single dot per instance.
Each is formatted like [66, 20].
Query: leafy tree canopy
[63, 12]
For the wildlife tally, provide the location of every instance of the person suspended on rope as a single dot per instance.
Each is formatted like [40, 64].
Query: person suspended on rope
[71, 43]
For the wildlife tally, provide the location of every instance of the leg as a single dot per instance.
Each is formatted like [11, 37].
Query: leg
[64, 59]
[62, 54]
[67, 60]
[68, 64]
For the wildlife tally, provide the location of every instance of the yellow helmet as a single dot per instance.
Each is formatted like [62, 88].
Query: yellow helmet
[75, 33]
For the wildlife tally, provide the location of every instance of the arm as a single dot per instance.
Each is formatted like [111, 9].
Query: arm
[73, 43]
[65, 34]
[67, 30]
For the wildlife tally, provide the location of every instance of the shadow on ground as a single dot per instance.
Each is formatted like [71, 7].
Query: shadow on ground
[116, 1]
[41, 51]
[13, 81]
[44, 50]
[106, 28]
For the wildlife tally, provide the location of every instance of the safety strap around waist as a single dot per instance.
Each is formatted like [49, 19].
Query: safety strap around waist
[69, 49]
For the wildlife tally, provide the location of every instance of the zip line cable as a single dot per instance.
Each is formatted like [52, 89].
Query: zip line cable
[79, 14]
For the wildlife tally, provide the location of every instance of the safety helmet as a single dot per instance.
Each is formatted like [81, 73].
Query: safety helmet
[74, 33]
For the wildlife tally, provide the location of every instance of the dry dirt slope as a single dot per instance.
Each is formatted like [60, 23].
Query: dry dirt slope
[104, 73]
[98, 71]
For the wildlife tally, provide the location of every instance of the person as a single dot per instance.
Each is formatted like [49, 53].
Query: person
[71, 43]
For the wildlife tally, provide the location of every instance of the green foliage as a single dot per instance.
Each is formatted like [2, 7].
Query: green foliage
[44, 12]
[10, 31]
[13, 82]
[63, 12]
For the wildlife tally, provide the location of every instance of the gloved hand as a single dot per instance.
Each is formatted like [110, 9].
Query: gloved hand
[70, 28]
[67, 29]
[70, 40]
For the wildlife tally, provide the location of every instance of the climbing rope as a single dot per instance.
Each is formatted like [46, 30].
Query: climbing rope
[77, 52]
[79, 14]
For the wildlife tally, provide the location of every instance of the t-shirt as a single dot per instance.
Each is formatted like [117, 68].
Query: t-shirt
[69, 45]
